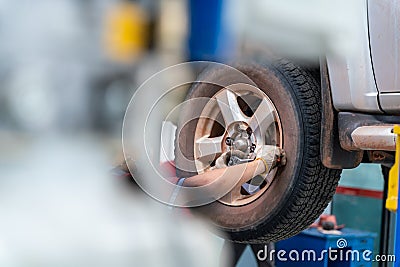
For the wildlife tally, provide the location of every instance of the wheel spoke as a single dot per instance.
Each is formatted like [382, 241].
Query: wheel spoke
[208, 146]
[227, 102]
[263, 117]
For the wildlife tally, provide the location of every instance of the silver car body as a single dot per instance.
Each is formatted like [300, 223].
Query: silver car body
[369, 81]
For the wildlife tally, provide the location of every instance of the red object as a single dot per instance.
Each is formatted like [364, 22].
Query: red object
[168, 171]
[359, 192]
[327, 218]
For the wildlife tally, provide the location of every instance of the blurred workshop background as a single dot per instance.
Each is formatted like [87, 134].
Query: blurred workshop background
[68, 69]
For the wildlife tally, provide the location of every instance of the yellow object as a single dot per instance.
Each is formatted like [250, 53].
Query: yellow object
[266, 166]
[393, 189]
[126, 32]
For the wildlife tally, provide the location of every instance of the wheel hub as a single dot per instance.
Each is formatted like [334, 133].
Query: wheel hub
[239, 136]
[226, 124]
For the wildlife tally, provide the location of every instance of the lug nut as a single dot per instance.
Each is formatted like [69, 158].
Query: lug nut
[249, 131]
[228, 141]
[252, 148]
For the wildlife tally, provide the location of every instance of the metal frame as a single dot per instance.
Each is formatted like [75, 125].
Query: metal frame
[393, 201]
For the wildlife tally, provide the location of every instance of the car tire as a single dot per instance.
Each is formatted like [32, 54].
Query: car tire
[303, 187]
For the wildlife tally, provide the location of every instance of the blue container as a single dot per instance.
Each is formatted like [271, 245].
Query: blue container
[351, 248]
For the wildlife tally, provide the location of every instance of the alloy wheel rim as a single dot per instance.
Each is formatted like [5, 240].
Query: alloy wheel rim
[232, 110]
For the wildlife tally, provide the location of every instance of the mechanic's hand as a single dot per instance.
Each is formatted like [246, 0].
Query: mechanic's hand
[223, 160]
[271, 156]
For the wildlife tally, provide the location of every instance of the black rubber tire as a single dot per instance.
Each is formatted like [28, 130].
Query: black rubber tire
[303, 188]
